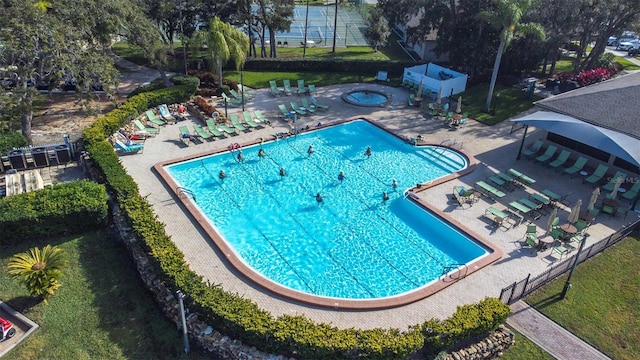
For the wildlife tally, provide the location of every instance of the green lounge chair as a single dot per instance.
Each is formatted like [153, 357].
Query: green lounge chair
[274, 89]
[619, 175]
[597, 175]
[533, 149]
[166, 114]
[464, 196]
[522, 209]
[497, 216]
[284, 112]
[317, 104]
[238, 96]
[185, 135]
[632, 193]
[202, 133]
[260, 117]
[535, 206]
[231, 100]
[298, 109]
[151, 130]
[531, 236]
[213, 129]
[489, 190]
[227, 129]
[540, 199]
[301, 90]
[521, 176]
[287, 87]
[236, 122]
[309, 107]
[151, 116]
[249, 120]
[548, 154]
[500, 182]
[311, 89]
[508, 178]
[562, 158]
[245, 90]
[560, 250]
[576, 167]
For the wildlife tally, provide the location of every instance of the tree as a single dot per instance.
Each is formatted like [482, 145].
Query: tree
[377, 31]
[222, 43]
[273, 15]
[506, 17]
[39, 270]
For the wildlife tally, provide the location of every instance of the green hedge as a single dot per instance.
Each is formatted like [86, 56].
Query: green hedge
[11, 140]
[66, 208]
[367, 67]
[231, 314]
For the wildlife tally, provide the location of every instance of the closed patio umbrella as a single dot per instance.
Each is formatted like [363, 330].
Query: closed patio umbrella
[419, 95]
[594, 198]
[554, 214]
[459, 107]
[575, 212]
[616, 186]
[439, 100]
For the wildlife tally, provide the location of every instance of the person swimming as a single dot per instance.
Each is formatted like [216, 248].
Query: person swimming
[394, 183]
[240, 156]
[385, 196]
[341, 176]
[367, 152]
[282, 172]
[261, 153]
[319, 198]
[222, 174]
[310, 150]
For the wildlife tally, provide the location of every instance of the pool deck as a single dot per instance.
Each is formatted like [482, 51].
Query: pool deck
[494, 147]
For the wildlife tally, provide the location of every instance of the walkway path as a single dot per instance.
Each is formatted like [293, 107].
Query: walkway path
[550, 336]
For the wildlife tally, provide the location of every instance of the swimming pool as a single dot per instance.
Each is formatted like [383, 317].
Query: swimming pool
[368, 98]
[353, 245]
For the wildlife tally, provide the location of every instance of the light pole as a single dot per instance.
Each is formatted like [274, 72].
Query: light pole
[242, 93]
[306, 26]
[185, 335]
[567, 284]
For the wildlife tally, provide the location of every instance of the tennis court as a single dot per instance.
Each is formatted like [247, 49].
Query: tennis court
[350, 27]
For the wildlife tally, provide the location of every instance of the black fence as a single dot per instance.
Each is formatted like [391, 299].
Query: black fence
[522, 288]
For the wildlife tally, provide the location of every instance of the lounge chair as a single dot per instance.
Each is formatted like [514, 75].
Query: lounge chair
[522, 209]
[464, 196]
[521, 176]
[535, 206]
[287, 87]
[231, 101]
[213, 129]
[237, 96]
[499, 182]
[298, 109]
[202, 133]
[261, 117]
[548, 154]
[311, 89]
[284, 112]
[248, 119]
[540, 199]
[151, 116]
[166, 114]
[489, 190]
[533, 149]
[560, 160]
[619, 175]
[497, 216]
[236, 122]
[382, 76]
[275, 91]
[309, 107]
[128, 149]
[508, 178]
[632, 193]
[301, 90]
[149, 130]
[245, 90]
[185, 135]
[576, 167]
[227, 129]
[597, 175]
[317, 104]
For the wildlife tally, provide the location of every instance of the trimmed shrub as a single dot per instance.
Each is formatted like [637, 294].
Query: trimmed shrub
[11, 140]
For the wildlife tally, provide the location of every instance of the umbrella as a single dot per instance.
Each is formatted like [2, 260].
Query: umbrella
[594, 198]
[459, 107]
[439, 100]
[419, 95]
[554, 214]
[575, 212]
[616, 186]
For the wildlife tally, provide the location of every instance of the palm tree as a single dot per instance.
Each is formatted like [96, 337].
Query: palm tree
[222, 43]
[39, 270]
[506, 17]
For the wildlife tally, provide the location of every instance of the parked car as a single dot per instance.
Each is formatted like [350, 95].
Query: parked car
[612, 41]
[634, 51]
[626, 44]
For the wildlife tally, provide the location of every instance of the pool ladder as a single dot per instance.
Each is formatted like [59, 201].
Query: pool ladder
[184, 192]
[453, 142]
[455, 271]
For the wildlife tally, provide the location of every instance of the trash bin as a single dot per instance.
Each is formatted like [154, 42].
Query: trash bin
[17, 159]
[40, 157]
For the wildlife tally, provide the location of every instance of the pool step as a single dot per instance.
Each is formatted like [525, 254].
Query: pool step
[441, 156]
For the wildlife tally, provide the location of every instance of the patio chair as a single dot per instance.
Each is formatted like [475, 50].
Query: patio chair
[548, 154]
[498, 217]
[287, 87]
[151, 116]
[273, 88]
[531, 236]
[533, 149]
[248, 119]
[382, 76]
[236, 122]
[298, 109]
[432, 110]
[318, 105]
[619, 175]
[597, 175]
[213, 129]
[623, 210]
[632, 193]
[301, 90]
[576, 167]
[560, 160]
[464, 196]
[560, 250]
[309, 107]
[311, 89]
[166, 114]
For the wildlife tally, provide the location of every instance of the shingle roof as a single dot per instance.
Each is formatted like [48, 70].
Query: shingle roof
[613, 104]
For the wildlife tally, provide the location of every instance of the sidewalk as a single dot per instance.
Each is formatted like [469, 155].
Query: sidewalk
[133, 75]
[550, 336]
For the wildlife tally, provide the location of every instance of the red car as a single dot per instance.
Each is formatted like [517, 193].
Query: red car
[6, 330]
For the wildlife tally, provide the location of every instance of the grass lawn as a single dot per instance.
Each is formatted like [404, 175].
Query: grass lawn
[525, 349]
[102, 310]
[602, 306]
[507, 102]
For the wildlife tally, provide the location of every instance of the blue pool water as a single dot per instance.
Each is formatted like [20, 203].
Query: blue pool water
[352, 245]
[365, 98]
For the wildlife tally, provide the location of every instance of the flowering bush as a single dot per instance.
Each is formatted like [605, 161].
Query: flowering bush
[588, 77]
